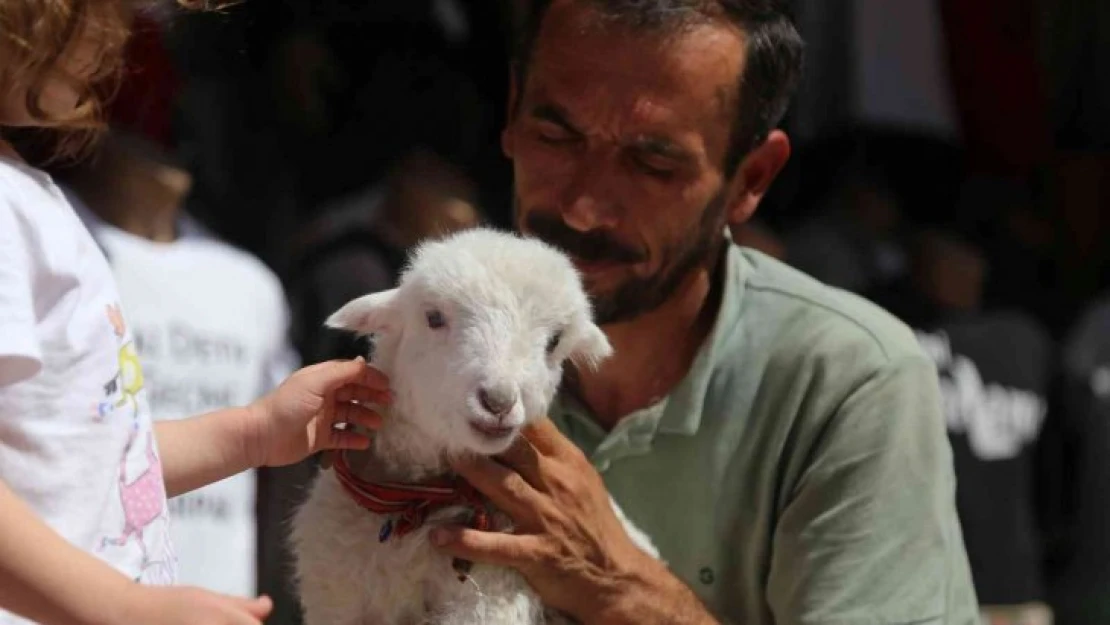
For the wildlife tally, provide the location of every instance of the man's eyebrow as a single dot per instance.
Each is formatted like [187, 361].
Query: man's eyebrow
[661, 146]
[553, 114]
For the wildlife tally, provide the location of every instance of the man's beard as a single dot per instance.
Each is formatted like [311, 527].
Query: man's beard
[635, 296]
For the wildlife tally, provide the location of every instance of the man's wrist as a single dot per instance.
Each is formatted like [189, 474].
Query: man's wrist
[650, 595]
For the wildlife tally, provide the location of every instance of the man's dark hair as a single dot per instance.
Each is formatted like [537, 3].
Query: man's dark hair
[773, 60]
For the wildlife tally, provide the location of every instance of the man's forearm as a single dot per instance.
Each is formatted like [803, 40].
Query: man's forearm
[656, 597]
[48, 580]
[201, 450]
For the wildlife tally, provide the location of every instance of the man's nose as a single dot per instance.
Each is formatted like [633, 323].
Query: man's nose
[588, 203]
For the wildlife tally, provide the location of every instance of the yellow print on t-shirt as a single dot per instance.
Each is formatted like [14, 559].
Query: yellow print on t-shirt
[125, 385]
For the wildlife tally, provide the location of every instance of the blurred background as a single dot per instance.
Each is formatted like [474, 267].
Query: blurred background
[952, 163]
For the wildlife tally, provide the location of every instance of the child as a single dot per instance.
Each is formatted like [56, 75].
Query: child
[84, 474]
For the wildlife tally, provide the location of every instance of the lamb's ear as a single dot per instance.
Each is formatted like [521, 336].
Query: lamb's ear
[369, 314]
[592, 346]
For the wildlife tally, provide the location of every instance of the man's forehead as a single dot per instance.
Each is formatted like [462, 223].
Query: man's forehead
[581, 54]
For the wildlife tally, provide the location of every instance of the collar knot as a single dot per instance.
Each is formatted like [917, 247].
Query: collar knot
[409, 505]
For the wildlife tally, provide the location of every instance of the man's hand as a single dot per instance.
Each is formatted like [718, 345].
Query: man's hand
[568, 542]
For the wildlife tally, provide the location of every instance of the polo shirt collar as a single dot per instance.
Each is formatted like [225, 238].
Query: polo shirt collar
[680, 412]
[684, 406]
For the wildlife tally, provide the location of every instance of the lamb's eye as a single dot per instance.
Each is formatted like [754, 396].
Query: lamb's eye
[436, 319]
[553, 342]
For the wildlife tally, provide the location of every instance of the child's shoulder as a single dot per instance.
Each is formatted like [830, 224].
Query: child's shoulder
[21, 184]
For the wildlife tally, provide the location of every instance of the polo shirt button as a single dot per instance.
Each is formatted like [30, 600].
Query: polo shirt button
[706, 576]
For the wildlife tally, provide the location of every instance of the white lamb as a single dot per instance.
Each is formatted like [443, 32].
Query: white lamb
[474, 340]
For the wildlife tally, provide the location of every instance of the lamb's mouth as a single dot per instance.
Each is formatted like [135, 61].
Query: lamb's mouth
[492, 432]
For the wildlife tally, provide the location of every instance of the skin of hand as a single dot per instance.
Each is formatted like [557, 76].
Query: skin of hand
[568, 542]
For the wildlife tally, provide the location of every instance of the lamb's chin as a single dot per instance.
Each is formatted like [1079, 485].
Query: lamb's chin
[480, 444]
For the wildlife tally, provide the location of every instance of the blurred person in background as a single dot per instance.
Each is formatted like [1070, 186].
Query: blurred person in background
[995, 369]
[211, 322]
[1079, 481]
[852, 241]
[759, 236]
[359, 244]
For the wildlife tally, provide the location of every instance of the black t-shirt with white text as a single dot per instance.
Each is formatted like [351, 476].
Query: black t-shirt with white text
[995, 373]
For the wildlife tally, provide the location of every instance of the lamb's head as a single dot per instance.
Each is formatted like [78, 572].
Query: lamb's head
[475, 336]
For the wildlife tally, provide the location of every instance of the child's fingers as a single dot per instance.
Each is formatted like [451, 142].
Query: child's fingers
[374, 377]
[352, 392]
[258, 607]
[358, 372]
[346, 439]
[330, 375]
[357, 415]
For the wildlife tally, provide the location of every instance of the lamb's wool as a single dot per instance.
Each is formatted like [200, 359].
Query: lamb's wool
[474, 340]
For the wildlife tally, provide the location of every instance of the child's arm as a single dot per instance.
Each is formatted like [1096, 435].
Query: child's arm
[45, 578]
[202, 450]
[50, 581]
[293, 422]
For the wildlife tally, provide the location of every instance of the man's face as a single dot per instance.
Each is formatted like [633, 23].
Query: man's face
[618, 143]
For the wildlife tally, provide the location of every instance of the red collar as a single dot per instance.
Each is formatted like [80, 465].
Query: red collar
[408, 505]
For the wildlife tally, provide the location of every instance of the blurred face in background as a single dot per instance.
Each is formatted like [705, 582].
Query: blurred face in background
[618, 140]
[949, 271]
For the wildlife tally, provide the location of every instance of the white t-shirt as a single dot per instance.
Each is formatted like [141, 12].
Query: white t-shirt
[76, 441]
[211, 326]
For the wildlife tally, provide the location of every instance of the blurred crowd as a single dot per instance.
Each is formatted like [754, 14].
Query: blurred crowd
[950, 164]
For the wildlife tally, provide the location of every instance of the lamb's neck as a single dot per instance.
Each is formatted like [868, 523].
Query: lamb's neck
[399, 452]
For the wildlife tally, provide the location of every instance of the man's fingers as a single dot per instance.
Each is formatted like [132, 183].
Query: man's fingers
[487, 547]
[546, 438]
[523, 457]
[504, 487]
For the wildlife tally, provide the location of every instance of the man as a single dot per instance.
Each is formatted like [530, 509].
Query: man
[780, 441]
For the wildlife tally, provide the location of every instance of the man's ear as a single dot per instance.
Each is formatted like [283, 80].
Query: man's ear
[591, 346]
[370, 314]
[754, 176]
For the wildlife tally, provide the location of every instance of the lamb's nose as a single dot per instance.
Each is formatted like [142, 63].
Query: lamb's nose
[498, 401]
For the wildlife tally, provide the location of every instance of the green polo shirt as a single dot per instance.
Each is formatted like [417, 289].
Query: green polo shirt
[800, 473]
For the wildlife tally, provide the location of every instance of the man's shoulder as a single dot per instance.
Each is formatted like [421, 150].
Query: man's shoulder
[796, 317]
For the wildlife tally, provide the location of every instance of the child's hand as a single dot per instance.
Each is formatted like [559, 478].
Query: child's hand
[170, 605]
[299, 417]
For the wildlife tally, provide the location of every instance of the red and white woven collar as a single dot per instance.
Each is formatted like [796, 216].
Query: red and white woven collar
[409, 505]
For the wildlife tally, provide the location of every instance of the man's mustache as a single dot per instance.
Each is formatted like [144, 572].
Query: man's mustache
[585, 246]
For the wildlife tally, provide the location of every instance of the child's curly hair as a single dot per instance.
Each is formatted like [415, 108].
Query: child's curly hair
[37, 38]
